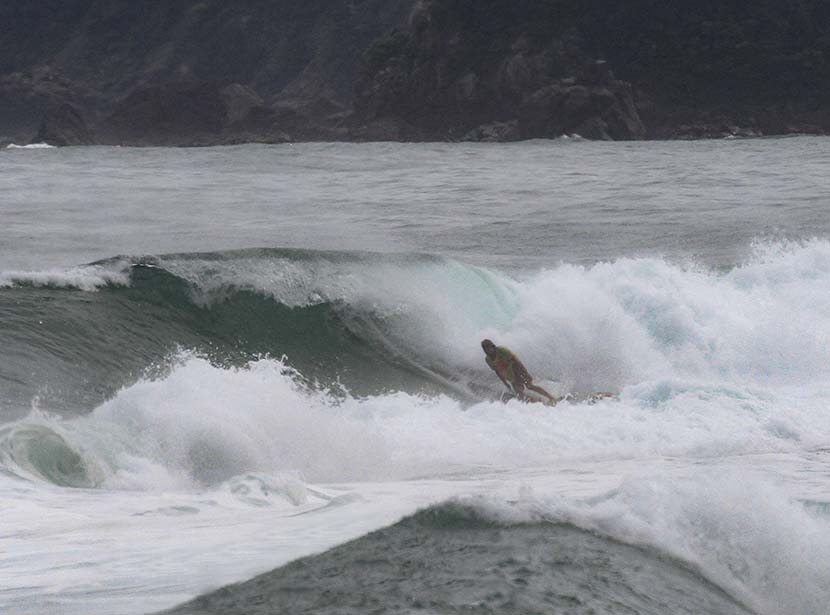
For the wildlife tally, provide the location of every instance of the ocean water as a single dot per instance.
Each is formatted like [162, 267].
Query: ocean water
[216, 361]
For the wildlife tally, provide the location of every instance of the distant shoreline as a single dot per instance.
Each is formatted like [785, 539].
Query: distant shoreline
[41, 145]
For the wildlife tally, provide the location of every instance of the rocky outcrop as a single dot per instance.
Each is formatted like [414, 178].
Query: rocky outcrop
[203, 113]
[602, 111]
[495, 132]
[169, 114]
[459, 72]
[64, 125]
[31, 102]
[190, 113]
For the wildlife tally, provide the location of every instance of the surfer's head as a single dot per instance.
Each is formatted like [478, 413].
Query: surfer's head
[489, 347]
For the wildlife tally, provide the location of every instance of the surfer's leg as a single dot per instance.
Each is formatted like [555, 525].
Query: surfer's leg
[519, 388]
[540, 390]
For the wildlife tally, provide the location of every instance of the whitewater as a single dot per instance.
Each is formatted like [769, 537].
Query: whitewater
[215, 362]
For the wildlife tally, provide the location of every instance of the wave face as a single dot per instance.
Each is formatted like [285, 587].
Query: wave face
[655, 545]
[366, 322]
[446, 561]
[631, 552]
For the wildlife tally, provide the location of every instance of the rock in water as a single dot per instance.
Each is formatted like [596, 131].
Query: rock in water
[495, 132]
[63, 125]
[190, 113]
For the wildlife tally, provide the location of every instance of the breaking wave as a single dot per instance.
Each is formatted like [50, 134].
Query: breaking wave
[345, 366]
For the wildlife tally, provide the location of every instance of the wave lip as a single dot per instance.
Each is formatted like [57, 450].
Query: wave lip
[34, 451]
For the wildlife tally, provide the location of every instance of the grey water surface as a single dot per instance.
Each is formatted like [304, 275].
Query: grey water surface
[513, 205]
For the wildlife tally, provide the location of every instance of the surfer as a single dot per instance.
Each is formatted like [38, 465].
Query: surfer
[511, 371]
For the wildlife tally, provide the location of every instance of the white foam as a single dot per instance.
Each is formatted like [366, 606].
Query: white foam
[202, 424]
[87, 278]
[31, 146]
[767, 322]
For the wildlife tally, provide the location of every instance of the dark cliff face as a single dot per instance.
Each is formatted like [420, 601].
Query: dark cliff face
[105, 51]
[762, 66]
[659, 68]
[113, 46]
[182, 72]
[484, 69]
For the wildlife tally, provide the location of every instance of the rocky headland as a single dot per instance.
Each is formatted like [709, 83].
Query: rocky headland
[185, 73]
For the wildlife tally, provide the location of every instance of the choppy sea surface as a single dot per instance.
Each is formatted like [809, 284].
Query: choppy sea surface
[216, 361]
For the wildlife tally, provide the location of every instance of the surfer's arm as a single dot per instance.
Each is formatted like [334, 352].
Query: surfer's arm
[506, 382]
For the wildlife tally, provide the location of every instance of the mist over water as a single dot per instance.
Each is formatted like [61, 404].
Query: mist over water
[252, 354]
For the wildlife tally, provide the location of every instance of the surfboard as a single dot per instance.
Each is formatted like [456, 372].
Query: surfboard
[578, 398]
[588, 398]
